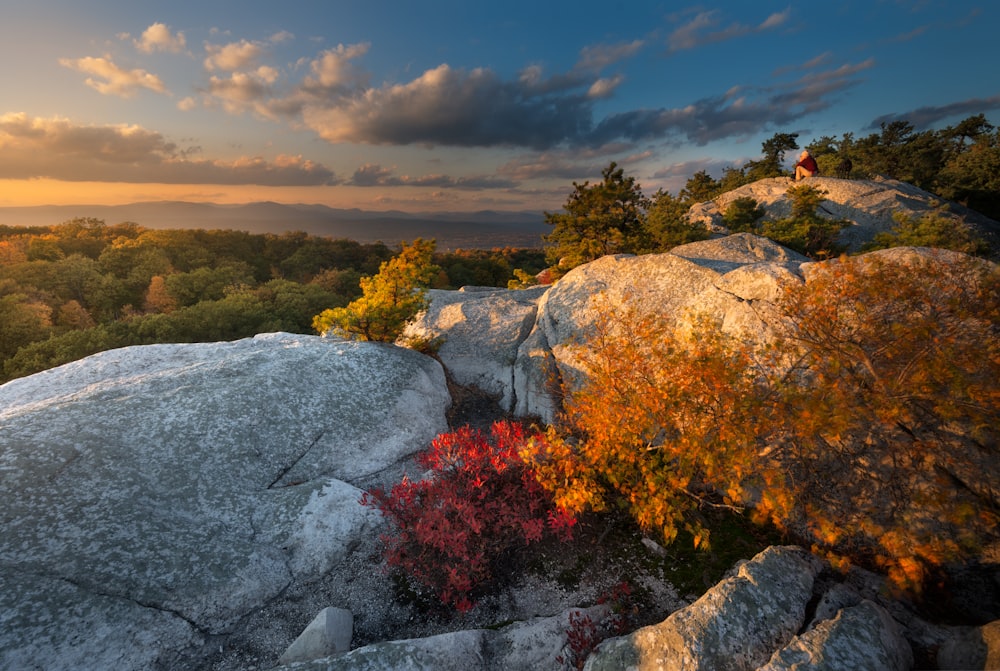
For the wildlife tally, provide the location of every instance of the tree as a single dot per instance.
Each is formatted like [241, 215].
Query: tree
[389, 299]
[742, 215]
[667, 224]
[663, 421]
[597, 220]
[805, 231]
[700, 187]
[892, 409]
[938, 228]
[774, 150]
[869, 429]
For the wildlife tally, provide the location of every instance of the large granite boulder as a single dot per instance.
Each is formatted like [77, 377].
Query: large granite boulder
[736, 625]
[868, 204]
[862, 638]
[480, 331]
[151, 497]
[733, 280]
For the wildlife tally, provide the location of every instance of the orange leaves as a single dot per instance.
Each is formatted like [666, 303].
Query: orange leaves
[887, 373]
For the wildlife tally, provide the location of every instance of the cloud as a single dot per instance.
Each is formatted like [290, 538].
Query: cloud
[373, 174]
[446, 106]
[601, 56]
[57, 148]
[239, 92]
[159, 38]
[705, 28]
[926, 117]
[233, 56]
[736, 113]
[113, 80]
[334, 70]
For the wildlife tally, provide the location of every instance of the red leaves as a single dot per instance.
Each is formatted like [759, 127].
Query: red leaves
[480, 502]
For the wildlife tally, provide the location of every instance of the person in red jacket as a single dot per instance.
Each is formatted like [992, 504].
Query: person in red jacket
[806, 167]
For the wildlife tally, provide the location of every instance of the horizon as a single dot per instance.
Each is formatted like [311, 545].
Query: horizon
[450, 107]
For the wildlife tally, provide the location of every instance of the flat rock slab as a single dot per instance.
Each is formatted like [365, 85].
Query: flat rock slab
[152, 496]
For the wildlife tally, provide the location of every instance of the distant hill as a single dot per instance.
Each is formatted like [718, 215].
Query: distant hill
[467, 230]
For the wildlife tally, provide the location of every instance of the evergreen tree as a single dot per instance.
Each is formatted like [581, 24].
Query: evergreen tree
[598, 219]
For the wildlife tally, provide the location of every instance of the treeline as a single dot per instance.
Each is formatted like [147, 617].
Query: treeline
[81, 287]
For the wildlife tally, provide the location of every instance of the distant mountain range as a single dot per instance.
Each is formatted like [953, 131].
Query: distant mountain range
[466, 230]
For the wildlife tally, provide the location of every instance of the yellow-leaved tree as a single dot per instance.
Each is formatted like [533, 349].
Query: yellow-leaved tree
[389, 300]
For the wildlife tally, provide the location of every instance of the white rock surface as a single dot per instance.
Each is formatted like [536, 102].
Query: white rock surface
[731, 280]
[152, 496]
[481, 332]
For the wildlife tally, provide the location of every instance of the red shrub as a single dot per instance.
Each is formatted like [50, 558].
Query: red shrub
[480, 504]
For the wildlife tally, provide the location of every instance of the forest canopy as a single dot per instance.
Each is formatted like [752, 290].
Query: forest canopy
[81, 287]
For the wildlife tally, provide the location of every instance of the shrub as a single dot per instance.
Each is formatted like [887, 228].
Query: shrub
[742, 215]
[479, 506]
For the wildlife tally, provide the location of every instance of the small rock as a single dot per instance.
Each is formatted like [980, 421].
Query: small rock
[328, 634]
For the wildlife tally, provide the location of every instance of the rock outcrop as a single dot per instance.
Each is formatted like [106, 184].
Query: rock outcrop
[153, 496]
[733, 281]
[480, 331]
[736, 626]
[868, 204]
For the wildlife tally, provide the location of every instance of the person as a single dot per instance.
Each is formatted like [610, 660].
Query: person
[806, 167]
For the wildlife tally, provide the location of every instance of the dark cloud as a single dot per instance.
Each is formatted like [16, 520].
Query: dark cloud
[926, 117]
[736, 113]
[59, 149]
[376, 175]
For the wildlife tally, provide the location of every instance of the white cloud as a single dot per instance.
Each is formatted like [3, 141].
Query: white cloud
[233, 56]
[110, 79]
[334, 67]
[605, 87]
[187, 104]
[159, 38]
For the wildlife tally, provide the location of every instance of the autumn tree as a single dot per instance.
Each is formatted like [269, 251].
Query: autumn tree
[869, 429]
[389, 300]
[597, 219]
[892, 408]
[664, 424]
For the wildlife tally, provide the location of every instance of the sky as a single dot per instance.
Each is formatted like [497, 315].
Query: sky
[442, 105]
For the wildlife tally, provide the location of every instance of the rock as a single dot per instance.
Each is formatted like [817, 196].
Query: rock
[736, 625]
[972, 648]
[732, 280]
[328, 634]
[481, 332]
[151, 497]
[539, 643]
[868, 204]
[859, 637]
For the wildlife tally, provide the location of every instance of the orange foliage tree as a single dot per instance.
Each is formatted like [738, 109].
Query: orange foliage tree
[664, 423]
[868, 429]
[891, 412]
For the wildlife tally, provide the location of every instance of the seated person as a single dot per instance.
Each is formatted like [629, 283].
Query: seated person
[806, 167]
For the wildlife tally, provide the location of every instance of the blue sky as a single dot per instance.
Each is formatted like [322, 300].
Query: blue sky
[444, 106]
